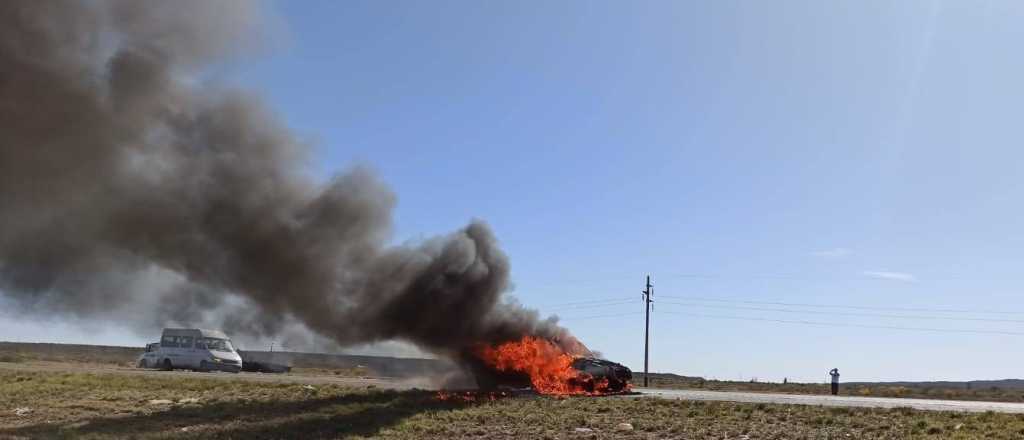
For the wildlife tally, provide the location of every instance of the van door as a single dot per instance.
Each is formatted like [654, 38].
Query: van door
[202, 351]
[169, 350]
[188, 351]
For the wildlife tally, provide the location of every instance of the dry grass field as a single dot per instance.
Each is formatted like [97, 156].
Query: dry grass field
[353, 366]
[112, 406]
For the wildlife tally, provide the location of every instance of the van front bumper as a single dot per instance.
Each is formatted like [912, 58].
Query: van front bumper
[223, 365]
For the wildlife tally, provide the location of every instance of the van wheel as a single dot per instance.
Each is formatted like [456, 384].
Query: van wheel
[167, 365]
[142, 364]
[204, 367]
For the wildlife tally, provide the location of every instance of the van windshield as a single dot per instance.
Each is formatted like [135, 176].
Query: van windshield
[215, 344]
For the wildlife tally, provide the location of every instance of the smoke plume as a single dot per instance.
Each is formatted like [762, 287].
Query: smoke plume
[130, 190]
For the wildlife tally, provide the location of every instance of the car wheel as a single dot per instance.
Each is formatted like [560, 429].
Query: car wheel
[142, 363]
[204, 367]
[167, 365]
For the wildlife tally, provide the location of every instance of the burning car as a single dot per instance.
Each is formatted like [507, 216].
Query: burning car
[547, 368]
[600, 373]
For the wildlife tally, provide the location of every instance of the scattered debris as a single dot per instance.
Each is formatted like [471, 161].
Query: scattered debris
[161, 402]
[309, 388]
[958, 426]
[624, 427]
[189, 400]
[583, 430]
[471, 396]
[22, 411]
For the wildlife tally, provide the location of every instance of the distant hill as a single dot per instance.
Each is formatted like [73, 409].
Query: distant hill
[1003, 384]
[379, 365]
[1007, 390]
[104, 354]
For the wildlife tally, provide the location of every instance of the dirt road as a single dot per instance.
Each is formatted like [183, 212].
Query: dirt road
[847, 401]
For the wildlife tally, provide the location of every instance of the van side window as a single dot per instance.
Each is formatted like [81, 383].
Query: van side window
[201, 343]
[169, 341]
[185, 341]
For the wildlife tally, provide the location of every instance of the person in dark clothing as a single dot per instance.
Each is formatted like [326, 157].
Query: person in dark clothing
[835, 380]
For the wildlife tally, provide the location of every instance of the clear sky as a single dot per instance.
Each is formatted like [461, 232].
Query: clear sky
[859, 153]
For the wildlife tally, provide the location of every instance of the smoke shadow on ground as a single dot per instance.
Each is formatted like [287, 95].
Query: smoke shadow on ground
[357, 414]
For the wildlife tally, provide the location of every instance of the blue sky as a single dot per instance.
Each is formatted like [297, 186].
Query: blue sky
[839, 153]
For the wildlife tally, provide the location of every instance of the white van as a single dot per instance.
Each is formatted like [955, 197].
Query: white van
[193, 349]
[150, 357]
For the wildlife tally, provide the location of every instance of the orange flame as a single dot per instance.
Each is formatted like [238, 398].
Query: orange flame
[548, 366]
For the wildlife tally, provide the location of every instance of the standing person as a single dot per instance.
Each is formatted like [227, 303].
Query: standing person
[835, 381]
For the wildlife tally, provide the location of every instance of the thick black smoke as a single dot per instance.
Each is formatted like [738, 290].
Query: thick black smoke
[127, 190]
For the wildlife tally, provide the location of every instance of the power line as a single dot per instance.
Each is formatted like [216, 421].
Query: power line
[616, 315]
[839, 306]
[762, 277]
[591, 306]
[836, 324]
[580, 281]
[590, 301]
[788, 277]
[873, 315]
[860, 276]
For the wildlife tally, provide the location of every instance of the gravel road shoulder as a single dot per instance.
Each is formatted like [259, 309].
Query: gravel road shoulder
[843, 401]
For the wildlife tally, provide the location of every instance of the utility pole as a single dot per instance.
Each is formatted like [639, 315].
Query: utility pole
[647, 324]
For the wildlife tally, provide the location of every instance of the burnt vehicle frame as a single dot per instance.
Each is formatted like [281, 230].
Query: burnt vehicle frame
[614, 376]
